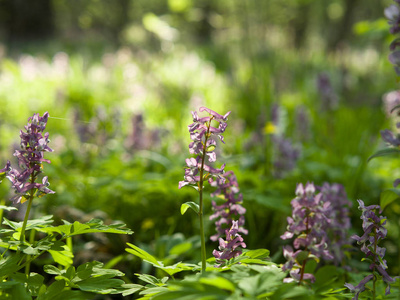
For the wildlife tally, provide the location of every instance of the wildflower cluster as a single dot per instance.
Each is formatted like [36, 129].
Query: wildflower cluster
[231, 210]
[329, 99]
[308, 223]
[392, 13]
[203, 137]
[374, 232]
[231, 247]
[337, 212]
[30, 159]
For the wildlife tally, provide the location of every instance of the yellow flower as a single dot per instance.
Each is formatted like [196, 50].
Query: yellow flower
[270, 128]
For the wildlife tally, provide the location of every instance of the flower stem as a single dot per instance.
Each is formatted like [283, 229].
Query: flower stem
[202, 238]
[2, 202]
[304, 261]
[373, 270]
[30, 200]
[22, 237]
[303, 267]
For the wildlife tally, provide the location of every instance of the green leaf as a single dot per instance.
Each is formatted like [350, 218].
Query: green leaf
[50, 269]
[154, 291]
[130, 288]
[258, 253]
[192, 205]
[94, 225]
[33, 282]
[13, 290]
[219, 282]
[263, 282]
[388, 196]
[98, 269]
[8, 208]
[176, 268]
[385, 152]
[151, 279]
[64, 258]
[303, 255]
[142, 254]
[9, 265]
[31, 224]
[70, 295]
[100, 284]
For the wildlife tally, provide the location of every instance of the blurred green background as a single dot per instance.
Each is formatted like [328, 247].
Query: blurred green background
[119, 79]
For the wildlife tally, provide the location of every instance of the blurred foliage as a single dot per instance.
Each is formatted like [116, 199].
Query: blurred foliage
[119, 79]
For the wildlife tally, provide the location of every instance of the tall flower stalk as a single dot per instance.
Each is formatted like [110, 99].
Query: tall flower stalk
[374, 232]
[307, 224]
[30, 160]
[231, 209]
[203, 136]
[229, 218]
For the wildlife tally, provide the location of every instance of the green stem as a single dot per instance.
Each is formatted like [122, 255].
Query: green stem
[31, 240]
[2, 202]
[30, 200]
[22, 237]
[373, 270]
[304, 261]
[202, 236]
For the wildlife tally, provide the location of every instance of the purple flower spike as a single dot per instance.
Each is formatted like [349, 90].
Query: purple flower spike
[231, 247]
[30, 159]
[203, 144]
[231, 210]
[374, 232]
[360, 287]
[336, 205]
[214, 114]
[318, 224]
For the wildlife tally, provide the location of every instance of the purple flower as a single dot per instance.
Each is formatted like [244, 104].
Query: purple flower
[390, 138]
[307, 225]
[358, 288]
[302, 123]
[224, 214]
[329, 99]
[203, 144]
[336, 203]
[30, 159]
[374, 232]
[392, 13]
[3, 172]
[231, 247]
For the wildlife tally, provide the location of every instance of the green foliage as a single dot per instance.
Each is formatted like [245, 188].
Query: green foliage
[74, 283]
[192, 205]
[157, 61]
[170, 270]
[385, 152]
[388, 196]
[94, 225]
